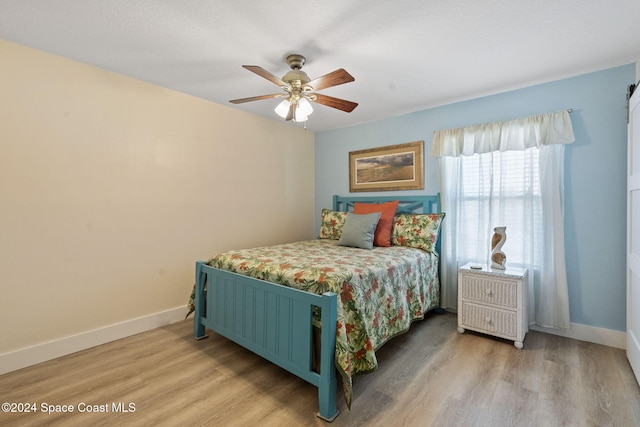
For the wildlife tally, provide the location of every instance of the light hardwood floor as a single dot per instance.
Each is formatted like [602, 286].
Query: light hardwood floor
[429, 376]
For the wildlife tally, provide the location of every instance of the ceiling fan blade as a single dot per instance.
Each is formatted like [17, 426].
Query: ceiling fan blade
[334, 78]
[264, 73]
[338, 103]
[254, 98]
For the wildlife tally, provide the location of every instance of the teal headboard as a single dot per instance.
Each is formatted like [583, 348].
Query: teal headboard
[408, 204]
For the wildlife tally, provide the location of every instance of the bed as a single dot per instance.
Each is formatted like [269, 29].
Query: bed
[275, 300]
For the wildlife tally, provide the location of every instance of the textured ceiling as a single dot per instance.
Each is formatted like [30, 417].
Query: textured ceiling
[406, 55]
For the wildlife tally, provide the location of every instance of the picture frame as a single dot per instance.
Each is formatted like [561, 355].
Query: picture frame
[394, 167]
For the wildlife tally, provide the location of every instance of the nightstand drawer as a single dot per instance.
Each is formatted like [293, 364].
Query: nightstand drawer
[489, 320]
[490, 290]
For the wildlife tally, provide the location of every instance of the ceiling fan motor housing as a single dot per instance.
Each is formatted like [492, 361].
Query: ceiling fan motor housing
[296, 62]
[294, 75]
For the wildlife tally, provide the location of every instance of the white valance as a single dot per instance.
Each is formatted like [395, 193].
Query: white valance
[518, 134]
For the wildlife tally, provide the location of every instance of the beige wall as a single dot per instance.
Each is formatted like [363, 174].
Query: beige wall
[111, 188]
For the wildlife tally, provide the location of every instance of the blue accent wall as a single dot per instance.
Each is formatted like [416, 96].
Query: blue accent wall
[595, 174]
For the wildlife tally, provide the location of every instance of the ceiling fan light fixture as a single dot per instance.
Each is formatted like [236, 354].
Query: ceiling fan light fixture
[282, 109]
[302, 111]
[304, 108]
[298, 117]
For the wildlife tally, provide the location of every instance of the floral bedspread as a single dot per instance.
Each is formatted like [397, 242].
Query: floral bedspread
[381, 291]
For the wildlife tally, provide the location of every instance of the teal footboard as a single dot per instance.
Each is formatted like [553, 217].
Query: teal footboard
[274, 322]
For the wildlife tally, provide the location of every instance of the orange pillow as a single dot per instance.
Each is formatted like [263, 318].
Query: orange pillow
[382, 235]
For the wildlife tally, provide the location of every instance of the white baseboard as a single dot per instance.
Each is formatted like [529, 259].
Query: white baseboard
[593, 334]
[578, 331]
[39, 353]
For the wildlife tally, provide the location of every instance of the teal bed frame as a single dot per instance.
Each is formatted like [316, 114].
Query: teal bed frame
[274, 321]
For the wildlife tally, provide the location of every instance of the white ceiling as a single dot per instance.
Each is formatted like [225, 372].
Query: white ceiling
[406, 55]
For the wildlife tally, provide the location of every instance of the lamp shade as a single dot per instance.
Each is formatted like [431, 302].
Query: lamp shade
[282, 109]
[301, 113]
[303, 110]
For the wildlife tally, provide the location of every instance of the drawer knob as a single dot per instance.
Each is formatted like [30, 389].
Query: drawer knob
[489, 292]
[488, 319]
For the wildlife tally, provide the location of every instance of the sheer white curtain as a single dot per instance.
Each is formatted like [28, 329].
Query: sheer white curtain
[508, 174]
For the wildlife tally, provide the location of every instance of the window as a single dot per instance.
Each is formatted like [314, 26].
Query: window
[508, 174]
[500, 189]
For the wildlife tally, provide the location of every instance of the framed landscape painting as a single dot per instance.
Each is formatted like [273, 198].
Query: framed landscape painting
[395, 167]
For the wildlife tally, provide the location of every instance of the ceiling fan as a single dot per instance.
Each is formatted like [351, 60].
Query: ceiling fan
[299, 89]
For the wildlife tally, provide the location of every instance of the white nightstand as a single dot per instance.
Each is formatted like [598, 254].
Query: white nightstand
[493, 302]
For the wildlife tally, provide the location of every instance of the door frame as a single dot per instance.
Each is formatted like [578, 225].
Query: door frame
[633, 226]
